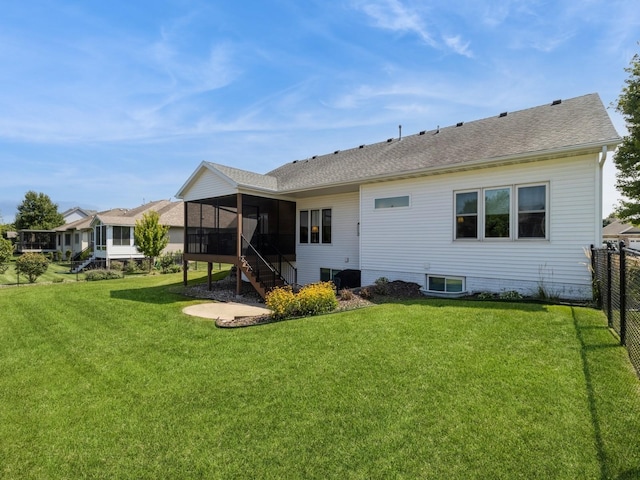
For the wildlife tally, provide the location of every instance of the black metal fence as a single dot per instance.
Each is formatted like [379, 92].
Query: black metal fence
[616, 279]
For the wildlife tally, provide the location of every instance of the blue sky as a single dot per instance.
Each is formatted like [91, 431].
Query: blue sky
[112, 104]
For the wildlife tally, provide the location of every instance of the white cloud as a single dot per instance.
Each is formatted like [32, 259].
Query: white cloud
[395, 16]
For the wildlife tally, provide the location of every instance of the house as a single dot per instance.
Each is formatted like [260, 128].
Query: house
[113, 230]
[48, 241]
[499, 204]
[618, 231]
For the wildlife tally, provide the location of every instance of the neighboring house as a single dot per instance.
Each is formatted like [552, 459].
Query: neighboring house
[499, 204]
[76, 213]
[618, 231]
[113, 230]
[44, 241]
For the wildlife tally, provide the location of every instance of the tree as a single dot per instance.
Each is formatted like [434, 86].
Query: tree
[6, 251]
[151, 237]
[32, 265]
[37, 212]
[627, 157]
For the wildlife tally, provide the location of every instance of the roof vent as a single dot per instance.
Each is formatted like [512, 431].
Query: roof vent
[295, 161]
[422, 132]
[556, 102]
[503, 114]
[361, 146]
[459, 124]
[389, 140]
[315, 156]
[336, 152]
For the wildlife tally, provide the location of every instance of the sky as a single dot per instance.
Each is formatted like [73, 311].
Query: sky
[115, 104]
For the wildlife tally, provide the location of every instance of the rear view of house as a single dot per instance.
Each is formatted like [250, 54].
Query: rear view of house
[504, 203]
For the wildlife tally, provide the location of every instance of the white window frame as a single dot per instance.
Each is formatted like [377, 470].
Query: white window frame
[445, 278]
[380, 200]
[546, 211]
[309, 214]
[478, 192]
[513, 213]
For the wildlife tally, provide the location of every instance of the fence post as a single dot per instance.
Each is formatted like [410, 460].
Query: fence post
[609, 288]
[623, 294]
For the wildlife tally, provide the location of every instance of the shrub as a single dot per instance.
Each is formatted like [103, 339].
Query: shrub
[317, 298]
[282, 303]
[67, 255]
[510, 295]
[366, 293]
[346, 294]
[131, 267]
[58, 256]
[146, 265]
[167, 263]
[116, 265]
[32, 265]
[100, 274]
[381, 286]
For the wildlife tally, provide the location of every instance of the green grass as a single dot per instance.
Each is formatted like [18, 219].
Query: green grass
[56, 272]
[110, 379]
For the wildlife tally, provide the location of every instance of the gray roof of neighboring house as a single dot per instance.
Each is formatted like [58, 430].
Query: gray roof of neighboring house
[171, 214]
[617, 227]
[573, 124]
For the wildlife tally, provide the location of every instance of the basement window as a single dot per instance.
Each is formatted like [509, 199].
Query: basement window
[445, 284]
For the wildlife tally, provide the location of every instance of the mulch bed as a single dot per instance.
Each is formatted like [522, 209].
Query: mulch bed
[224, 291]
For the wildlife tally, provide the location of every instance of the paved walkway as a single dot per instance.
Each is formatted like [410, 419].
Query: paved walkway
[225, 310]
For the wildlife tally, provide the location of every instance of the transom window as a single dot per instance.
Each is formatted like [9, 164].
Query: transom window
[494, 213]
[315, 226]
[391, 202]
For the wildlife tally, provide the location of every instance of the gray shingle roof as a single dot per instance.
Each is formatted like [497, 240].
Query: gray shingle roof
[573, 123]
[171, 214]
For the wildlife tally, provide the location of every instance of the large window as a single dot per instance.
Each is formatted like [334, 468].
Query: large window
[467, 215]
[532, 211]
[493, 213]
[315, 226]
[122, 236]
[101, 237]
[497, 205]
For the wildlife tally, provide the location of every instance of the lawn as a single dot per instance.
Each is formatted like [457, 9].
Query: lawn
[56, 272]
[110, 380]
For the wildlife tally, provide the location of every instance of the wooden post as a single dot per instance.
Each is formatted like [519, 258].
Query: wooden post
[239, 246]
[209, 281]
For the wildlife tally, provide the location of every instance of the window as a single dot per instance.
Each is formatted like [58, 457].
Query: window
[67, 239]
[532, 211]
[509, 212]
[467, 215]
[77, 238]
[327, 274]
[497, 205]
[101, 237]
[304, 226]
[445, 284]
[121, 236]
[326, 225]
[391, 202]
[315, 226]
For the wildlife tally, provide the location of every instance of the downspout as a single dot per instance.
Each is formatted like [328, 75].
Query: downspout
[601, 161]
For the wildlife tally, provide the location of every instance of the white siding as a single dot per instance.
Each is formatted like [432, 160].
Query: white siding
[208, 185]
[407, 243]
[342, 253]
